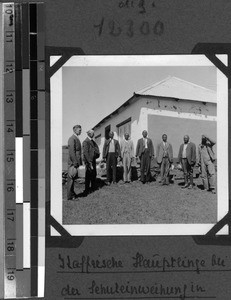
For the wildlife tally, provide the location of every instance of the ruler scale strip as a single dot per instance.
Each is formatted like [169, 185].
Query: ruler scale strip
[23, 157]
[26, 145]
[23, 283]
[10, 134]
[34, 149]
[2, 147]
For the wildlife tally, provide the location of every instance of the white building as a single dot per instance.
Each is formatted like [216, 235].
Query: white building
[173, 106]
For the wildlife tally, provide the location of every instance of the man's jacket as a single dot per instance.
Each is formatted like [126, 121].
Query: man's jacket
[190, 153]
[74, 148]
[140, 148]
[106, 148]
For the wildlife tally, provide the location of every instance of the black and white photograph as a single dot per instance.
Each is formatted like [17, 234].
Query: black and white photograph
[139, 140]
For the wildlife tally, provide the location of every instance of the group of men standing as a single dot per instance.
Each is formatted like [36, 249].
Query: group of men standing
[113, 151]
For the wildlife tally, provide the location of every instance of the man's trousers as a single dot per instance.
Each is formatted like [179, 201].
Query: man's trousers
[111, 167]
[188, 171]
[145, 165]
[90, 177]
[164, 170]
[127, 167]
[208, 175]
[71, 185]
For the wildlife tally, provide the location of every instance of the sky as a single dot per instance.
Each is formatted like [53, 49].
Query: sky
[91, 93]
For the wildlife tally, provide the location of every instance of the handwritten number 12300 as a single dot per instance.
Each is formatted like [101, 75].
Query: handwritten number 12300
[129, 28]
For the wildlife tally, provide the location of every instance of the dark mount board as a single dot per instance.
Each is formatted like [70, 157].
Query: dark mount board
[105, 27]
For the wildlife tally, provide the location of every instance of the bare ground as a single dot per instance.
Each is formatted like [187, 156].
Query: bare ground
[138, 203]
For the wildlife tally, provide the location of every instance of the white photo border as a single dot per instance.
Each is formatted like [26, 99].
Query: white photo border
[56, 199]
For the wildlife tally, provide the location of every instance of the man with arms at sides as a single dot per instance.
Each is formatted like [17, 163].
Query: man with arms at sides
[127, 154]
[206, 163]
[74, 161]
[145, 152]
[164, 159]
[187, 158]
[111, 151]
[90, 154]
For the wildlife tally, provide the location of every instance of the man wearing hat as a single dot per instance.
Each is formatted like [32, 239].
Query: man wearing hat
[90, 154]
[74, 161]
[206, 163]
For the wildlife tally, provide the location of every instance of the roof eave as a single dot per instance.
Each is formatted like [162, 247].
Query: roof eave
[125, 104]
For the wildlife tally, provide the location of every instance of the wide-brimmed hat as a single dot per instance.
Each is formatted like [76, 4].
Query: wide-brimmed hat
[72, 172]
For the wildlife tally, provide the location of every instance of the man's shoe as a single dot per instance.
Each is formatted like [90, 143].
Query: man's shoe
[185, 186]
[213, 191]
[190, 187]
[85, 193]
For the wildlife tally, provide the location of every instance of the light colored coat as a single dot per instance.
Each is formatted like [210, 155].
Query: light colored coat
[161, 150]
[209, 146]
[129, 145]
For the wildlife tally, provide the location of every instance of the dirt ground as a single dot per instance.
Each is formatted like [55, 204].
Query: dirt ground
[137, 203]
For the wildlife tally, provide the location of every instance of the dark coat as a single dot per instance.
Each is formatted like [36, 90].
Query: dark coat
[90, 151]
[106, 148]
[190, 153]
[74, 147]
[140, 147]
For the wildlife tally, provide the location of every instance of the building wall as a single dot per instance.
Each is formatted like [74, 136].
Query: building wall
[176, 128]
[164, 115]
[178, 118]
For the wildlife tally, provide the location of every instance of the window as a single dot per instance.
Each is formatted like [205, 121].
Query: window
[124, 127]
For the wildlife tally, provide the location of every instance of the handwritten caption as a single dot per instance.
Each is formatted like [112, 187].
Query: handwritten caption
[139, 263]
[131, 27]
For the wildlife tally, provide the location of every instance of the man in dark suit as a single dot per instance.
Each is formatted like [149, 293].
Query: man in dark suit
[187, 158]
[164, 159]
[145, 152]
[111, 152]
[90, 154]
[74, 161]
